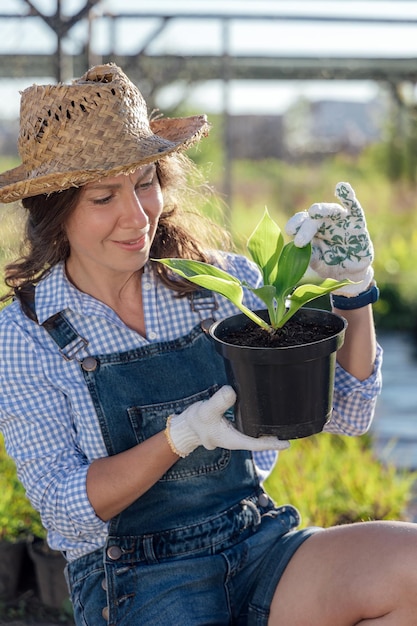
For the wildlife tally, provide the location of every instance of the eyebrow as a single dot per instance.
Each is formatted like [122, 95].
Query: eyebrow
[147, 169]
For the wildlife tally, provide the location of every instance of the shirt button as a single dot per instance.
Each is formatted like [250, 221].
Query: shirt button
[147, 286]
[152, 335]
[105, 613]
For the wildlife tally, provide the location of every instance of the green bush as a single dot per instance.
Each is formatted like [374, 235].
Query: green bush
[18, 519]
[334, 479]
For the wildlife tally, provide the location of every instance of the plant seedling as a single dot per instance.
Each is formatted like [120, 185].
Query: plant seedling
[282, 266]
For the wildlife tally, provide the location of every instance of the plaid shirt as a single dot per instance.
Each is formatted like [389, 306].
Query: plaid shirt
[46, 413]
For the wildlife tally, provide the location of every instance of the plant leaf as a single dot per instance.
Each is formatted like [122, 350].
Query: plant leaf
[311, 291]
[293, 264]
[215, 279]
[305, 293]
[188, 268]
[265, 245]
[267, 295]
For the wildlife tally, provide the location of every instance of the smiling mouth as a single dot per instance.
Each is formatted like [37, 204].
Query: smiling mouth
[134, 244]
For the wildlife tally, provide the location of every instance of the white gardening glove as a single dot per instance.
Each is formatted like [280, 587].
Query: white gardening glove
[341, 245]
[203, 424]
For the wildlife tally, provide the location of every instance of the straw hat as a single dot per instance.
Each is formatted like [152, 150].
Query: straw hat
[94, 127]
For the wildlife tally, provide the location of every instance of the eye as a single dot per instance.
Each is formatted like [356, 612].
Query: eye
[104, 200]
[145, 184]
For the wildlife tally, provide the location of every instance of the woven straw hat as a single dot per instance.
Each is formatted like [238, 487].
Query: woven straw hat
[94, 127]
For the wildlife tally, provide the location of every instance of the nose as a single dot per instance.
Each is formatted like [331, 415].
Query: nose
[132, 211]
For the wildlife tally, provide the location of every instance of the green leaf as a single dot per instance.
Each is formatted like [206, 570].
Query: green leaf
[293, 264]
[267, 294]
[215, 279]
[188, 268]
[308, 292]
[265, 245]
[305, 293]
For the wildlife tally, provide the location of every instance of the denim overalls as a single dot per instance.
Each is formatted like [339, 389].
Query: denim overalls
[189, 551]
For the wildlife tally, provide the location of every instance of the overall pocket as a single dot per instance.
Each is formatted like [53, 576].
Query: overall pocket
[148, 420]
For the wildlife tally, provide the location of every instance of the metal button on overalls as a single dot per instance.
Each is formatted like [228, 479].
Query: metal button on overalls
[263, 499]
[89, 364]
[114, 553]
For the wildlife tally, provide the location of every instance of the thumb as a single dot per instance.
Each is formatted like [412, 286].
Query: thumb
[306, 233]
[258, 444]
[293, 224]
[345, 193]
[223, 399]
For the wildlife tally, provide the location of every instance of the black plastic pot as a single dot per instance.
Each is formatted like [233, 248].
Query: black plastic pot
[284, 391]
[11, 559]
[49, 569]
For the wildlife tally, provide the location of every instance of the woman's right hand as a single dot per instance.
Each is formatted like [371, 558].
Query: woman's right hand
[203, 424]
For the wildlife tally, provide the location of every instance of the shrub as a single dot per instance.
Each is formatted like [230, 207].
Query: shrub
[18, 519]
[334, 479]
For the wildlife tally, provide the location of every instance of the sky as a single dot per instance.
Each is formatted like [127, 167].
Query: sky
[247, 36]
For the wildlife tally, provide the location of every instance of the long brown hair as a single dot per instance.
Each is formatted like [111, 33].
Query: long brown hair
[182, 231]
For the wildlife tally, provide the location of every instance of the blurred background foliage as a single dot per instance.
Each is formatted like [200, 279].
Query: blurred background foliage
[334, 480]
[383, 176]
[18, 520]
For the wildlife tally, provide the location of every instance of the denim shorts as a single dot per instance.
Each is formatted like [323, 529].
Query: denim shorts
[233, 585]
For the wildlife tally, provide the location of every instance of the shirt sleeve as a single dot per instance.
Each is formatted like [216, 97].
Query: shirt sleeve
[354, 401]
[35, 418]
[354, 404]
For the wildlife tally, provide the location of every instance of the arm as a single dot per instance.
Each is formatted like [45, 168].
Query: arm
[115, 482]
[45, 434]
[357, 355]
[74, 490]
[342, 248]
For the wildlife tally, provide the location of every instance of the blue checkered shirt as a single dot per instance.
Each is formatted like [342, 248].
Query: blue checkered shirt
[46, 413]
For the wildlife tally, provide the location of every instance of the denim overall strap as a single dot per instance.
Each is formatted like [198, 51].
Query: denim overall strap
[134, 392]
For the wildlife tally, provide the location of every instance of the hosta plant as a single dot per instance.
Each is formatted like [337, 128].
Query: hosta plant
[282, 267]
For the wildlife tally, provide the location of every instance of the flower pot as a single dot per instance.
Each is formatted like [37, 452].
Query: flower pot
[49, 569]
[11, 559]
[282, 391]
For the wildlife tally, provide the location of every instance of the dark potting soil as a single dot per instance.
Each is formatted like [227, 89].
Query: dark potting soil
[294, 333]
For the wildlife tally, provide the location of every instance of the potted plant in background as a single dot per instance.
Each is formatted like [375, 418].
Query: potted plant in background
[49, 569]
[281, 359]
[23, 541]
[18, 522]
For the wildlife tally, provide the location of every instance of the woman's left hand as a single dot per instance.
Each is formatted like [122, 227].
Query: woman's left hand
[341, 245]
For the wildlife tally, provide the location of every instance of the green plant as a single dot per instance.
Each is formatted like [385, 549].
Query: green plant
[282, 266]
[336, 479]
[18, 519]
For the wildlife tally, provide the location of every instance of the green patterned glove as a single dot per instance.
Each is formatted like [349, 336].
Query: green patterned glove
[341, 245]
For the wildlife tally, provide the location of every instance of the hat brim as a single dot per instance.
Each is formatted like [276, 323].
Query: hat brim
[170, 135]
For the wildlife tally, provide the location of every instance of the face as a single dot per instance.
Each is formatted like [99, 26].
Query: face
[111, 230]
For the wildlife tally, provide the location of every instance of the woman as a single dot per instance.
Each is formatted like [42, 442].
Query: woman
[113, 399]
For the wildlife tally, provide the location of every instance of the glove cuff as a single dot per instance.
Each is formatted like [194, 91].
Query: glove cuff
[180, 439]
[363, 281]
[369, 296]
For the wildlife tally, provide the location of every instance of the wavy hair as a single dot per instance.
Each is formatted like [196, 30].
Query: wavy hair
[183, 231]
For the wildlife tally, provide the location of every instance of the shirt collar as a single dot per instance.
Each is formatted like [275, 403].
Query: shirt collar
[56, 293]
